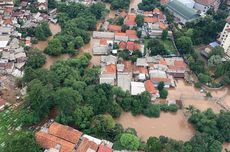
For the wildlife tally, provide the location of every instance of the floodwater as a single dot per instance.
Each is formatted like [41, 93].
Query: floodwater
[50, 60]
[226, 146]
[192, 96]
[173, 125]
[88, 49]
[134, 4]
[41, 45]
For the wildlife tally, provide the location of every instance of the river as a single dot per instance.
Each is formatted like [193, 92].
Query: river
[173, 125]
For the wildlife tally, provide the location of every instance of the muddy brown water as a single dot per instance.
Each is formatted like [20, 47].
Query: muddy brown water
[173, 125]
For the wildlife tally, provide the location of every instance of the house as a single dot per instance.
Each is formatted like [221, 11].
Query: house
[132, 35]
[55, 137]
[103, 148]
[103, 35]
[108, 74]
[4, 40]
[124, 75]
[101, 48]
[182, 12]
[151, 89]
[42, 4]
[121, 37]
[167, 81]
[225, 37]
[109, 59]
[114, 28]
[130, 20]
[137, 88]
[142, 62]
[140, 73]
[204, 5]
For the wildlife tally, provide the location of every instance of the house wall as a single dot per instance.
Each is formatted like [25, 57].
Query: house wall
[225, 39]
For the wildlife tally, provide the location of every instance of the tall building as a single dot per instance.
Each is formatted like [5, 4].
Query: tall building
[225, 37]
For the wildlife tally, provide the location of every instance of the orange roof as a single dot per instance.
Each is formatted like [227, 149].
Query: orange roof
[150, 19]
[84, 145]
[131, 32]
[103, 42]
[120, 34]
[111, 68]
[8, 21]
[114, 28]
[127, 66]
[162, 61]
[133, 37]
[65, 132]
[130, 45]
[163, 26]
[103, 148]
[179, 63]
[122, 45]
[150, 87]
[49, 141]
[130, 20]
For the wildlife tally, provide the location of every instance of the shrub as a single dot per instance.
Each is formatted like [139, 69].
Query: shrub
[152, 110]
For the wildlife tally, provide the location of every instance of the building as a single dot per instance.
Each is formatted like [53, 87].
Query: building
[124, 75]
[108, 74]
[42, 4]
[188, 3]
[181, 12]
[137, 88]
[225, 37]
[60, 138]
[204, 5]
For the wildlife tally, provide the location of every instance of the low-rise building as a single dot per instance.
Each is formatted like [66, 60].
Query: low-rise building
[204, 5]
[225, 37]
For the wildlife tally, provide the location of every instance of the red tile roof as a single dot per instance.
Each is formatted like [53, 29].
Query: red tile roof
[120, 34]
[130, 45]
[84, 145]
[8, 21]
[114, 28]
[163, 26]
[128, 66]
[163, 62]
[150, 19]
[103, 42]
[65, 132]
[122, 45]
[150, 87]
[179, 63]
[49, 141]
[131, 32]
[130, 20]
[111, 68]
[103, 148]
[148, 13]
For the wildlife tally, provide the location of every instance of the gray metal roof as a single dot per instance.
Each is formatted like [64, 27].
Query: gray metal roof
[182, 10]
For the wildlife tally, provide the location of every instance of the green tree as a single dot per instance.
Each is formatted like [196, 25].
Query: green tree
[164, 35]
[83, 116]
[54, 47]
[156, 47]
[21, 141]
[140, 20]
[35, 59]
[153, 145]
[129, 141]
[203, 78]
[214, 60]
[153, 110]
[184, 44]
[79, 42]
[163, 94]
[218, 50]
[161, 86]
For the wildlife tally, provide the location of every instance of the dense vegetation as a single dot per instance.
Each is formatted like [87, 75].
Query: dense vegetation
[148, 5]
[118, 4]
[76, 21]
[203, 31]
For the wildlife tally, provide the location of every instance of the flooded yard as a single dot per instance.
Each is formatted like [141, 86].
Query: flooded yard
[192, 96]
[173, 125]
